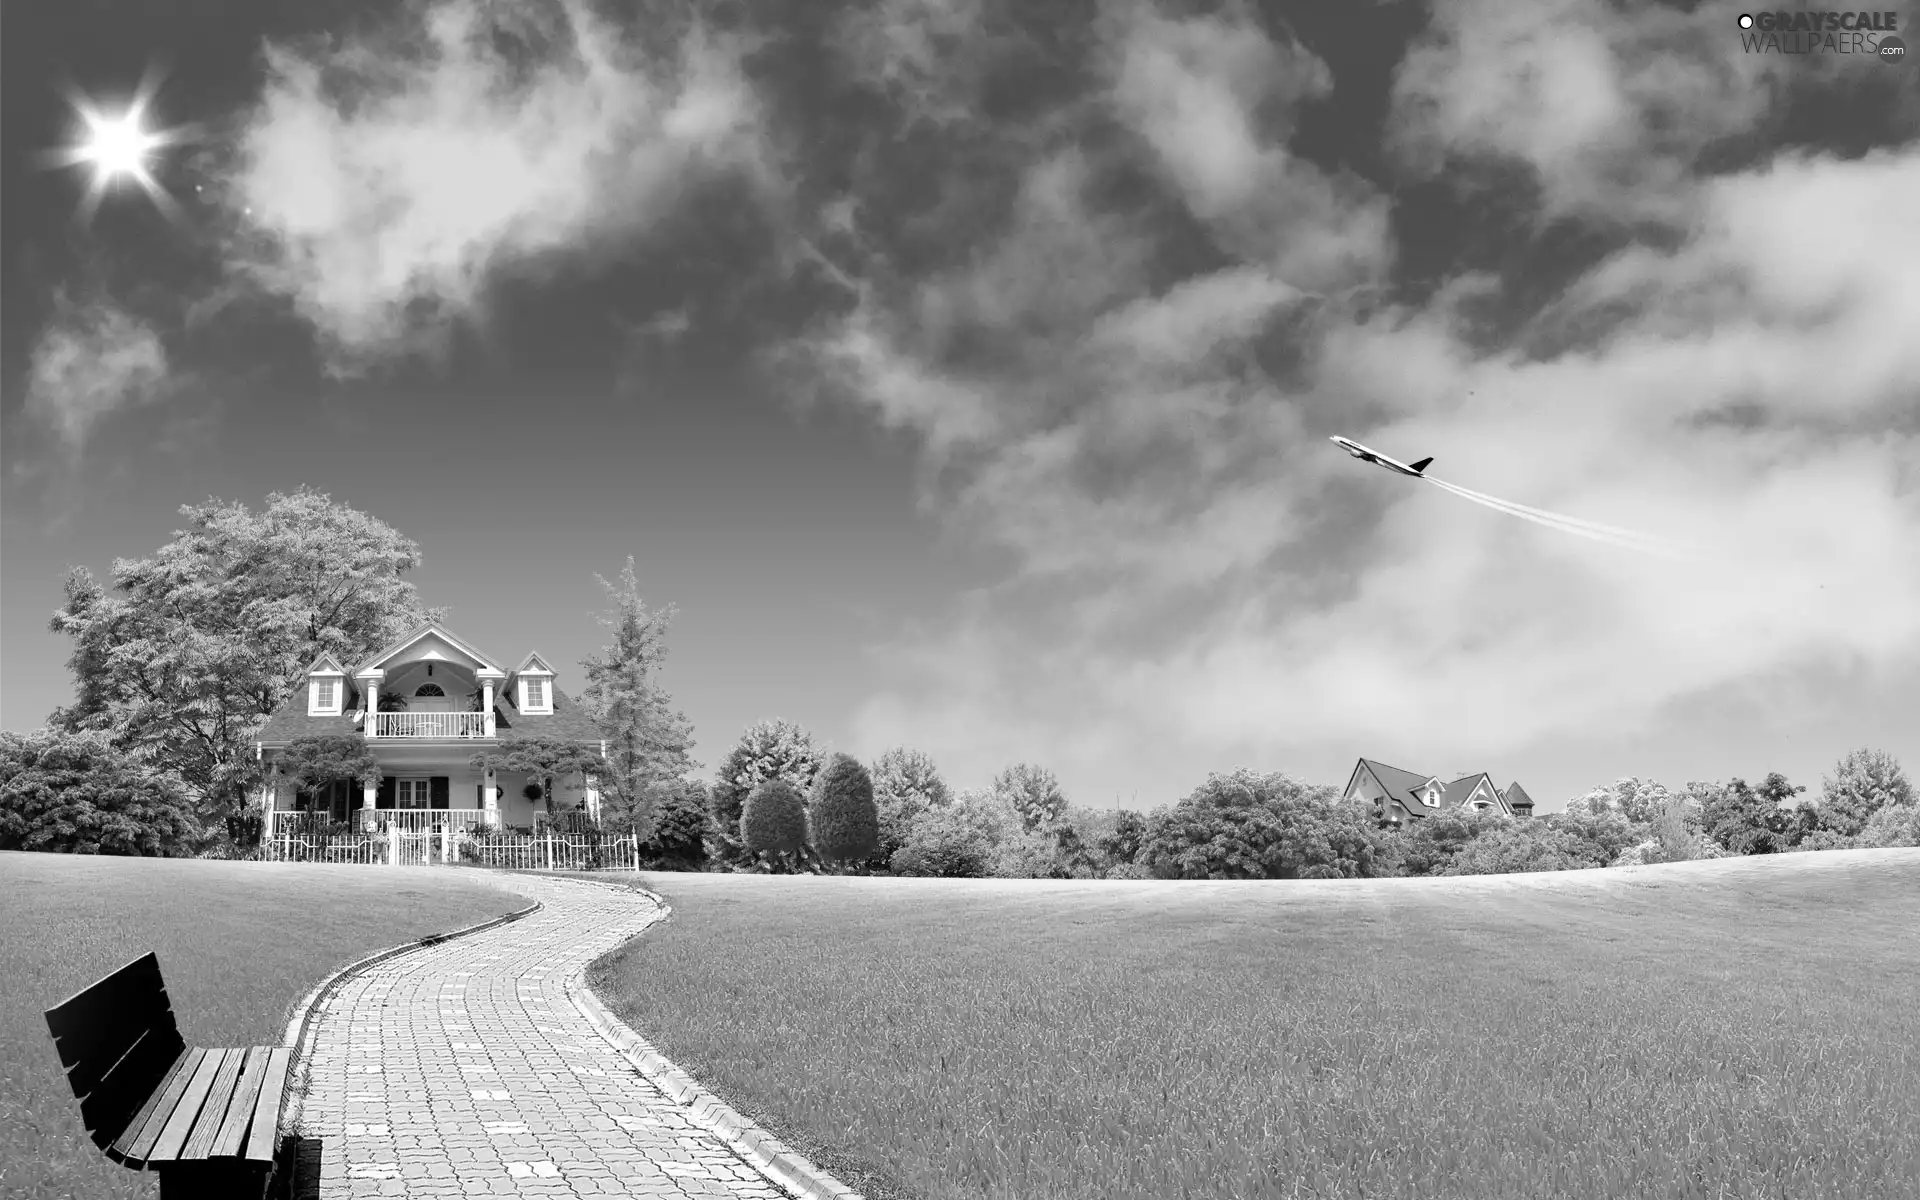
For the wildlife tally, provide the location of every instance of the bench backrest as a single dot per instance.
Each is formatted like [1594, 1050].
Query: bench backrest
[117, 1040]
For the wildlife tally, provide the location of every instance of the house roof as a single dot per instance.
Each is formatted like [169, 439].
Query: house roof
[567, 720]
[420, 631]
[1517, 796]
[291, 721]
[1456, 793]
[533, 662]
[326, 662]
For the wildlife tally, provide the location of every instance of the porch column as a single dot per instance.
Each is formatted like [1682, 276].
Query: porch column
[486, 710]
[266, 812]
[492, 794]
[368, 794]
[373, 708]
[592, 798]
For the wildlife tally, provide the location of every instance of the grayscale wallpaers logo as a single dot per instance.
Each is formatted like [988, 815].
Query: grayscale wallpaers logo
[1865, 33]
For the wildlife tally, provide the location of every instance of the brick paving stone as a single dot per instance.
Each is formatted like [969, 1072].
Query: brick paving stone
[463, 1069]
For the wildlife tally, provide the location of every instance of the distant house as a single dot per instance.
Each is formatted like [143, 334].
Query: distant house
[445, 700]
[1400, 796]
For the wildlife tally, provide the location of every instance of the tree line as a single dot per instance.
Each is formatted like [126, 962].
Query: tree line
[178, 666]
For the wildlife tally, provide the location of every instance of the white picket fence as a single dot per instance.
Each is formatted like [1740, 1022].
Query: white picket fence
[398, 847]
[553, 852]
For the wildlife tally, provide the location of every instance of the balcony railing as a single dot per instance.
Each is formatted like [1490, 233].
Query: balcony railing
[429, 724]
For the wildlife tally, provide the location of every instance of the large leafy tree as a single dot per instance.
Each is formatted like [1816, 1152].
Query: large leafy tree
[841, 813]
[1033, 792]
[1637, 800]
[962, 839]
[1754, 820]
[544, 758]
[75, 792]
[183, 661]
[647, 738]
[311, 763]
[766, 750]
[1862, 783]
[905, 784]
[1252, 826]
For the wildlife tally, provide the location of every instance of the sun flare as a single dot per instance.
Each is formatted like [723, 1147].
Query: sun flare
[119, 146]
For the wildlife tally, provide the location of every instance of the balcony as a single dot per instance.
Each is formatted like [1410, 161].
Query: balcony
[429, 725]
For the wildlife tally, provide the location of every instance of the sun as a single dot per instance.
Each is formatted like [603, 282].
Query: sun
[119, 146]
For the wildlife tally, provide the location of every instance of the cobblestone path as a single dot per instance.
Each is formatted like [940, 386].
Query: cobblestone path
[464, 1070]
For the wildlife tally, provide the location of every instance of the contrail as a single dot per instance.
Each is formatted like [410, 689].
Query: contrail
[1611, 534]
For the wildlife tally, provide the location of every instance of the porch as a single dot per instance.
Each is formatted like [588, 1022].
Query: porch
[431, 725]
[459, 821]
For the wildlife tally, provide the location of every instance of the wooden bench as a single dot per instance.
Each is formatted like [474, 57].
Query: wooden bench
[206, 1120]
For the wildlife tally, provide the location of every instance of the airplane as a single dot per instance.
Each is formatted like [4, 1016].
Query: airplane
[1417, 470]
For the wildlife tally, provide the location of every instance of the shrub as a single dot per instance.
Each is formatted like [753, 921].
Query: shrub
[959, 841]
[681, 827]
[1519, 846]
[774, 821]
[1862, 784]
[1127, 870]
[844, 821]
[74, 793]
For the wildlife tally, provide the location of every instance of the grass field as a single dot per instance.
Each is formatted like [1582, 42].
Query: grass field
[239, 944]
[1739, 1028]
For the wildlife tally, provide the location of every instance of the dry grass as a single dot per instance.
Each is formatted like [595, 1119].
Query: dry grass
[222, 932]
[1724, 1029]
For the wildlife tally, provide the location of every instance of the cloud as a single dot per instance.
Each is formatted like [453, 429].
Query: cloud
[382, 181]
[1609, 105]
[92, 359]
[1198, 578]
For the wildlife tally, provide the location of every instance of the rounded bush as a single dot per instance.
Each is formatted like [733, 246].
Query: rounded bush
[846, 824]
[774, 819]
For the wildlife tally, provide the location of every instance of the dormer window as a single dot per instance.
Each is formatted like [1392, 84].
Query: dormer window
[534, 697]
[324, 694]
[1430, 798]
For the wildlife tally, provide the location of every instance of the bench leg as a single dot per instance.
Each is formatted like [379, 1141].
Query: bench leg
[214, 1180]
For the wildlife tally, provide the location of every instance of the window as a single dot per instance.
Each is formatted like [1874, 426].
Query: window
[413, 794]
[536, 693]
[428, 689]
[325, 697]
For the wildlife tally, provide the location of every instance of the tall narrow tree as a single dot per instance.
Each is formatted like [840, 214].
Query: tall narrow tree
[647, 739]
[204, 640]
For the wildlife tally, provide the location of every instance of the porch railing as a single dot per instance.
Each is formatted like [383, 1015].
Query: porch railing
[408, 820]
[429, 724]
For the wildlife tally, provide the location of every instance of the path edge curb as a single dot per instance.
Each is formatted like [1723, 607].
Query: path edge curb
[769, 1154]
[301, 1026]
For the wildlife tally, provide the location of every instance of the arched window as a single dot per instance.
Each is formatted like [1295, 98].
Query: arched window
[428, 689]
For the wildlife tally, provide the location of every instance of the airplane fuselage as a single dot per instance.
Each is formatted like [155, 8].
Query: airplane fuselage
[1417, 470]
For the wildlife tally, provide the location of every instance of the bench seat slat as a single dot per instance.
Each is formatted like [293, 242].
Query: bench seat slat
[124, 1091]
[175, 1081]
[180, 1124]
[232, 1137]
[206, 1127]
[266, 1113]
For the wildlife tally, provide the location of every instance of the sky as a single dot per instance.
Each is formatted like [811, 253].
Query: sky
[963, 371]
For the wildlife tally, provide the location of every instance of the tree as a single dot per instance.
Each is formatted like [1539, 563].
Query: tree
[773, 822]
[960, 840]
[1638, 800]
[1675, 841]
[311, 763]
[767, 750]
[1032, 792]
[647, 738]
[204, 640]
[1122, 845]
[681, 827]
[1432, 843]
[543, 758]
[905, 784]
[1892, 825]
[1251, 826]
[1862, 783]
[1591, 839]
[75, 792]
[1519, 846]
[841, 812]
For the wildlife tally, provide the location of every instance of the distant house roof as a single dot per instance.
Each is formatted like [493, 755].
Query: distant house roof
[1460, 790]
[1404, 789]
[1517, 796]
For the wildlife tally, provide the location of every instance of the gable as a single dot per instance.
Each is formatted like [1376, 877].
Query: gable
[1465, 791]
[431, 643]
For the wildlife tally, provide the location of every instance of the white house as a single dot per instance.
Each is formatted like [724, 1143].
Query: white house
[458, 702]
[1401, 796]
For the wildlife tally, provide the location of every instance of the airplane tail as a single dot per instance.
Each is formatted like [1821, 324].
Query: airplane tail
[1421, 465]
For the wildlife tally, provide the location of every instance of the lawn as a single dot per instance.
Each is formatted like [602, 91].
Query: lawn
[239, 944]
[1740, 1028]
